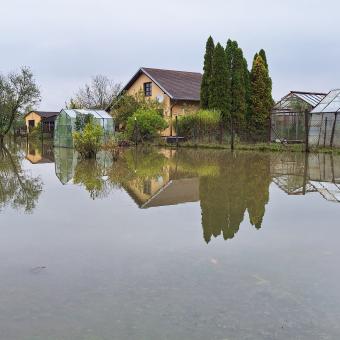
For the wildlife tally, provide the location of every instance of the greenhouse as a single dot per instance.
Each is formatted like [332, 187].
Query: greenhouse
[66, 122]
[287, 116]
[324, 127]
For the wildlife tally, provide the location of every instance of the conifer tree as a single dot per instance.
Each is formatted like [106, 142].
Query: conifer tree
[238, 88]
[247, 85]
[207, 70]
[260, 101]
[238, 82]
[262, 53]
[218, 98]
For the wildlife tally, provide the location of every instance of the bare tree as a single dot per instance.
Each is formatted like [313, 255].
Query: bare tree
[97, 95]
[17, 91]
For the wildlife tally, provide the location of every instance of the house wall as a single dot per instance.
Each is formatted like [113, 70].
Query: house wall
[170, 107]
[32, 116]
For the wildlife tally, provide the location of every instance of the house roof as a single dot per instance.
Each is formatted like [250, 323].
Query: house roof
[329, 104]
[178, 85]
[44, 114]
[175, 192]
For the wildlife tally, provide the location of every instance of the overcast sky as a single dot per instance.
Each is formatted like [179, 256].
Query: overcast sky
[65, 42]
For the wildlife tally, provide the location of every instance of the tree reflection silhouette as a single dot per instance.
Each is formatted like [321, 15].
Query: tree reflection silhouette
[242, 185]
[18, 188]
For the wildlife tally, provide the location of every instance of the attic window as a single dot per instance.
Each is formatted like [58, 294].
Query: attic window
[148, 89]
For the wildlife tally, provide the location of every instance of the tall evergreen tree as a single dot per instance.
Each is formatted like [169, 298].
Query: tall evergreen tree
[238, 82]
[218, 98]
[262, 53]
[260, 101]
[247, 85]
[207, 71]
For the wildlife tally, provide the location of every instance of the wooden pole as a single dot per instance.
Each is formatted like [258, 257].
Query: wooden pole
[176, 131]
[232, 133]
[306, 131]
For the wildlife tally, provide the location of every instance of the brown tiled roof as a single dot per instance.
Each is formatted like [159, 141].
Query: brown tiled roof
[178, 85]
[44, 114]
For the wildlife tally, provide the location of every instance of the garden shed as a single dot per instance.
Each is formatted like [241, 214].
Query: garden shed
[65, 125]
[324, 129]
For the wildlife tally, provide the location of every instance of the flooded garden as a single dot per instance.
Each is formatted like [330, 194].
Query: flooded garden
[168, 244]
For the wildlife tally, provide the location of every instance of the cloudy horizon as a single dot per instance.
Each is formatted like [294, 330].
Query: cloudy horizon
[65, 43]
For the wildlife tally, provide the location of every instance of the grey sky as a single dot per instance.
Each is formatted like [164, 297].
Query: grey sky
[65, 42]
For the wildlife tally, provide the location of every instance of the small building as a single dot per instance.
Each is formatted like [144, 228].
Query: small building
[46, 118]
[178, 91]
[324, 129]
[65, 125]
[287, 116]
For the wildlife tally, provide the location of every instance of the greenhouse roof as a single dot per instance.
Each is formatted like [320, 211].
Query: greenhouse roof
[101, 114]
[330, 104]
[311, 98]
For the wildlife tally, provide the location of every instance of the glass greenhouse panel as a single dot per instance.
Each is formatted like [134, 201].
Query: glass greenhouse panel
[65, 125]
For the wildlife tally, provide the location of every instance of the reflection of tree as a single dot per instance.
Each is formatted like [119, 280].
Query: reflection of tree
[257, 187]
[17, 187]
[242, 183]
[91, 174]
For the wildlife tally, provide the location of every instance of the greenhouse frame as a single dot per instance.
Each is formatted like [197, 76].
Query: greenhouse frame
[287, 116]
[65, 125]
[324, 129]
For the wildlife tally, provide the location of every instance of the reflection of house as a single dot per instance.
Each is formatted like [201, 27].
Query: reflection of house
[167, 189]
[46, 118]
[175, 192]
[39, 154]
[287, 117]
[177, 90]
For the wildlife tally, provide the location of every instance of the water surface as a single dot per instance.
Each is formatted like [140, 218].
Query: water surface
[166, 244]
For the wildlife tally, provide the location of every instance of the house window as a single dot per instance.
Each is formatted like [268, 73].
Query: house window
[31, 123]
[148, 89]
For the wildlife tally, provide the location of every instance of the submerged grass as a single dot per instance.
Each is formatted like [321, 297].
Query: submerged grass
[274, 147]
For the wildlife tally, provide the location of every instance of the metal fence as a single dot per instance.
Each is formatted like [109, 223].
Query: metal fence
[228, 132]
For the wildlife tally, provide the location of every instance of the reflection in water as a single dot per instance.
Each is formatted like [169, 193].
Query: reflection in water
[243, 184]
[36, 152]
[299, 174]
[227, 185]
[18, 188]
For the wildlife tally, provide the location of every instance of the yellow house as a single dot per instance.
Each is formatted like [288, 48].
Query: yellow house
[46, 118]
[178, 91]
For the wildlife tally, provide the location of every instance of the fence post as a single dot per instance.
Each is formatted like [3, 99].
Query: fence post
[136, 131]
[221, 131]
[176, 131]
[232, 133]
[325, 134]
[306, 131]
[333, 129]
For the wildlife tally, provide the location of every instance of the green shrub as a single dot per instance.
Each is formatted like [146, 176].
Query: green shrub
[88, 141]
[145, 124]
[126, 105]
[200, 122]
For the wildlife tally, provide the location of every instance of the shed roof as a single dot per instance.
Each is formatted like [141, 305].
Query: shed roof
[329, 104]
[178, 85]
[44, 114]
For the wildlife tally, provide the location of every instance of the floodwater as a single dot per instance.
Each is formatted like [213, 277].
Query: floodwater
[166, 244]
